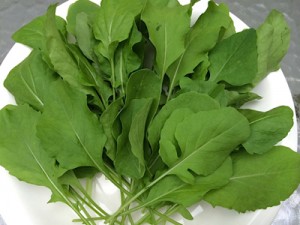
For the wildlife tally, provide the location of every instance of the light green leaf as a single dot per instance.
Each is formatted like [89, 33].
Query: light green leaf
[206, 144]
[259, 181]
[267, 128]
[69, 131]
[191, 100]
[166, 33]
[273, 39]
[18, 138]
[234, 60]
[172, 189]
[29, 81]
[129, 159]
[80, 6]
[201, 38]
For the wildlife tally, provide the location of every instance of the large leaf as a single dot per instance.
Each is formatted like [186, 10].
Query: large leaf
[21, 152]
[69, 131]
[259, 181]
[29, 81]
[191, 100]
[267, 128]
[166, 33]
[234, 60]
[273, 38]
[202, 37]
[172, 189]
[212, 135]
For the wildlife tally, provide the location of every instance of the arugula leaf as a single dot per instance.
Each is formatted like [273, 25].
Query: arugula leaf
[228, 62]
[273, 38]
[73, 142]
[267, 128]
[172, 189]
[204, 148]
[191, 100]
[165, 33]
[80, 6]
[29, 80]
[33, 35]
[259, 181]
[33, 164]
[201, 38]
[129, 159]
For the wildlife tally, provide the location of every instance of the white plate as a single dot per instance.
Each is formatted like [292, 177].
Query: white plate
[21, 203]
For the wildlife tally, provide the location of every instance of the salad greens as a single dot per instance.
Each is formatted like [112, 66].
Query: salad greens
[135, 91]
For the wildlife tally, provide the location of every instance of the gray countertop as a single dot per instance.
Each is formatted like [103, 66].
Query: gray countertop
[15, 13]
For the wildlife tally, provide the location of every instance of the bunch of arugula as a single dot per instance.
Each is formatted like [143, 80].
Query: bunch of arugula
[132, 90]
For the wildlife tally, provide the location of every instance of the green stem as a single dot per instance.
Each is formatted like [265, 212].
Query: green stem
[113, 76]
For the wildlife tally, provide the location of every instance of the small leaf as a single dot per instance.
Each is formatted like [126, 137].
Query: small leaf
[259, 181]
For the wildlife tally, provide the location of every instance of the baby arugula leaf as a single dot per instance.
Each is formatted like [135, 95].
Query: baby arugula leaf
[172, 189]
[273, 39]
[33, 165]
[143, 94]
[69, 131]
[191, 100]
[29, 81]
[127, 61]
[32, 34]
[65, 64]
[129, 159]
[228, 61]
[107, 119]
[18, 137]
[267, 128]
[201, 38]
[166, 33]
[259, 181]
[81, 6]
[205, 147]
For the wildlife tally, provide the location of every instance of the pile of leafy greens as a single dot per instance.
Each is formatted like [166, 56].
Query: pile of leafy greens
[132, 90]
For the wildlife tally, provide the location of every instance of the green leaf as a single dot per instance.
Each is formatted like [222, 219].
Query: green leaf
[273, 39]
[127, 61]
[259, 181]
[172, 189]
[234, 60]
[206, 144]
[113, 23]
[80, 6]
[32, 34]
[202, 37]
[129, 159]
[84, 36]
[29, 81]
[18, 138]
[236, 99]
[267, 128]
[191, 100]
[166, 33]
[107, 119]
[69, 131]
